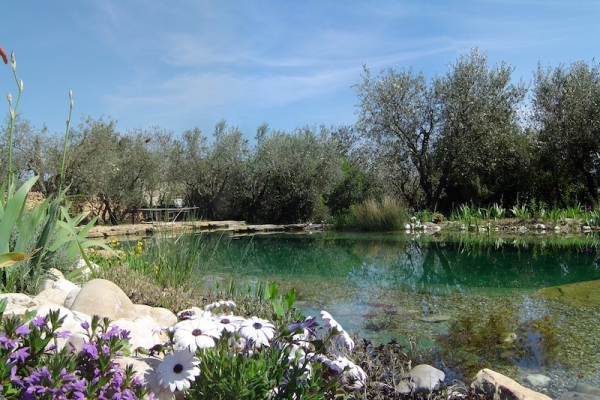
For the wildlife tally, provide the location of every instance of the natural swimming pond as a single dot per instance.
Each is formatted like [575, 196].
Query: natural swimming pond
[476, 297]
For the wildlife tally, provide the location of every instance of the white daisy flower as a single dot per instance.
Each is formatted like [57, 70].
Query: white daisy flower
[297, 354]
[177, 370]
[195, 334]
[330, 322]
[352, 376]
[220, 303]
[229, 323]
[257, 330]
[345, 340]
[341, 336]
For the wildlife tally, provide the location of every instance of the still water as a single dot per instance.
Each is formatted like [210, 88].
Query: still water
[384, 286]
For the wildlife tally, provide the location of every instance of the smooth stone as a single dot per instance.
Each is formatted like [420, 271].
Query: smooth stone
[14, 309]
[141, 332]
[585, 388]
[162, 316]
[19, 299]
[56, 273]
[434, 318]
[47, 284]
[84, 270]
[105, 299]
[64, 285]
[71, 297]
[578, 396]
[54, 296]
[71, 323]
[537, 380]
[422, 378]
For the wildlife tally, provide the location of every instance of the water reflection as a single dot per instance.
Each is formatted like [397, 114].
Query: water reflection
[385, 286]
[398, 262]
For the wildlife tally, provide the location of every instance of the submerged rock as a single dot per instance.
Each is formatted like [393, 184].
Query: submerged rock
[537, 380]
[583, 294]
[435, 318]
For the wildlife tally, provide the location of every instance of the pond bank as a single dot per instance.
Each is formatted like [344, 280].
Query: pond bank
[507, 226]
[237, 227]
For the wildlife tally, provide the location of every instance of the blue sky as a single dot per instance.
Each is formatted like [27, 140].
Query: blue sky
[185, 64]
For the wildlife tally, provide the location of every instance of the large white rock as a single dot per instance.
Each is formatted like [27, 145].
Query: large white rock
[104, 298]
[71, 297]
[65, 285]
[54, 296]
[19, 299]
[143, 332]
[499, 387]
[71, 323]
[162, 316]
[537, 380]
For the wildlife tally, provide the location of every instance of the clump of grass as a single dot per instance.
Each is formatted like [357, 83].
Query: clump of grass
[387, 215]
[521, 211]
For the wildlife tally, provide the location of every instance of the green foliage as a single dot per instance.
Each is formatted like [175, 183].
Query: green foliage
[459, 132]
[292, 172]
[170, 261]
[521, 211]
[566, 113]
[226, 376]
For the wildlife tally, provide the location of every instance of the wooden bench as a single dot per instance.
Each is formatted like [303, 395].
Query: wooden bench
[165, 214]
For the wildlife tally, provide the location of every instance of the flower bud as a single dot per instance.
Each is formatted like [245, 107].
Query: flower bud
[13, 62]
[21, 85]
[9, 98]
[70, 94]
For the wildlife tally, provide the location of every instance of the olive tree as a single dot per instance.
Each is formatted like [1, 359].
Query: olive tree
[451, 131]
[33, 153]
[292, 173]
[209, 171]
[92, 162]
[566, 117]
[141, 174]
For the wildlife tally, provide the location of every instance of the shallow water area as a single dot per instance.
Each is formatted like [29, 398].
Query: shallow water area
[383, 286]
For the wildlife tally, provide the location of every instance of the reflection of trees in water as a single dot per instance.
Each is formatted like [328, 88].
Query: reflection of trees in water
[396, 262]
[443, 267]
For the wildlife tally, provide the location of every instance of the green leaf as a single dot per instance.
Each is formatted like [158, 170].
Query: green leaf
[290, 298]
[13, 212]
[11, 258]
[278, 307]
[273, 290]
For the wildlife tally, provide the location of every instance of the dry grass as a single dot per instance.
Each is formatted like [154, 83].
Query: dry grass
[384, 216]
